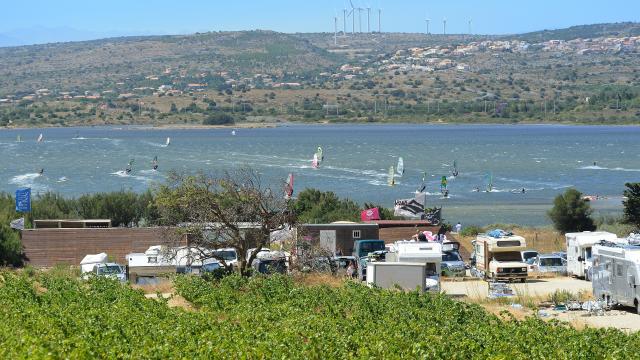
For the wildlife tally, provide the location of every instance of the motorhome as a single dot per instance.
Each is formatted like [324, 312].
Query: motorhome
[97, 264]
[616, 274]
[579, 246]
[498, 256]
[428, 253]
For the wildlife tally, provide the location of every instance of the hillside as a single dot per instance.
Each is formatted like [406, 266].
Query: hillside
[99, 64]
[581, 32]
[583, 74]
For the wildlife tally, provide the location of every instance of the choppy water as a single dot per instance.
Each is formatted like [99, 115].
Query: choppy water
[545, 160]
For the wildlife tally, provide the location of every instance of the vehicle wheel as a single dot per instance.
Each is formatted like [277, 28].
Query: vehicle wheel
[586, 276]
[635, 302]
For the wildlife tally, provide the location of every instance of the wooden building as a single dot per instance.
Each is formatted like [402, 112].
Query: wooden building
[339, 235]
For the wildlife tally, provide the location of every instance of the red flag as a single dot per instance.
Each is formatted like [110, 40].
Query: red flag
[370, 214]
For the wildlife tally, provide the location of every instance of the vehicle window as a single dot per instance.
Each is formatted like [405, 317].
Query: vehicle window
[508, 256]
[529, 254]
[551, 261]
[508, 243]
[108, 270]
[227, 255]
[530, 261]
[211, 266]
[368, 247]
[431, 269]
[587, 253]
[451, 256]
[618, 270]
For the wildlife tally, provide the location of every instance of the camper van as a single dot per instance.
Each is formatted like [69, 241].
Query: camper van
[97, 264]
[498, 256]
[429, 253]
[158, 262]
[616, 274]
[579, 251]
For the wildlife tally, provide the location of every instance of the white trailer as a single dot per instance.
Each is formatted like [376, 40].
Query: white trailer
[427, 253]
[616, 274]
[406, 275]
[579, 251]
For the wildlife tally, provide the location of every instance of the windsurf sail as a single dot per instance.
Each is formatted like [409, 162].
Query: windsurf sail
[455, 168]
[489, 181]
[168, 142]
[288, 187]
[400, 167]
[443, 184]
[233, 132]
[423, 187]
[19, 138]
[320, 154]
[155, 163]
[411, 208]
[40, 138]
[392, 174]
[314, 162]
[129, 166]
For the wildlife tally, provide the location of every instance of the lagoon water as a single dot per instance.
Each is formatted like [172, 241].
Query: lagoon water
[544, 159]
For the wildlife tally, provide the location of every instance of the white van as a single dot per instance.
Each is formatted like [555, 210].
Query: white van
[579, 251]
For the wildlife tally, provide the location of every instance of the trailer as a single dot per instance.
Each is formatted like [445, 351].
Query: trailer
[498, 257]
[579, 246]
[427, 253]
[616, 274]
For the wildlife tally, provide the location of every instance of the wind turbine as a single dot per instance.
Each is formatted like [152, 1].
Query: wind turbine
[335, 30]
[444, 26]
[344, 19]
[360, 19]
[379, 16]
[369, 19]
[353, 17]
[428, 21]
[470, 22]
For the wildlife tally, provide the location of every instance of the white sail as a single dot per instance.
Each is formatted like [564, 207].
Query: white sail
[400, 167]
[168, 141]
[391, 181]
[40, 138]
[314, 162]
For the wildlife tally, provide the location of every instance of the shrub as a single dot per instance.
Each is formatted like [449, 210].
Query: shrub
[571, 213]
[219, 119]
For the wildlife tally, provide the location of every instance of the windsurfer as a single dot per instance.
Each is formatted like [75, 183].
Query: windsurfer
[476, 189]
[41, 172]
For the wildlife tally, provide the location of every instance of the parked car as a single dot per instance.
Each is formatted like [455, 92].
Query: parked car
[452, 264]
[110, 270]
[550, 263]
[528, 256]
[230, 256]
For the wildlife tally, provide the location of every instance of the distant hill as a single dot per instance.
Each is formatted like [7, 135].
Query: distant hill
[581, 31]
[101, 63]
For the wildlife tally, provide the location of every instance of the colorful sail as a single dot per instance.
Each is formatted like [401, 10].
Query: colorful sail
[40, 138]
[288, 187]
[489, 181]
[443, 183]
[320, 154]
[400, 167]
[392, 174]
[314, 162]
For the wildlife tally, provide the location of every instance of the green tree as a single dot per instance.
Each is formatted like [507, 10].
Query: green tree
[219, 119]
[10, 246]
[632, 204]
[571, 212]
[315, 206]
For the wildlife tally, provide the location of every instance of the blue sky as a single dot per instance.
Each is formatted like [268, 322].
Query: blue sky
[98, 18]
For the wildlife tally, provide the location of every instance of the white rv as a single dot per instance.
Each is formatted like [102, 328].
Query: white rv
[579, 251]
[616, 274]
[498, 256]
[429, 253]
[159, 261]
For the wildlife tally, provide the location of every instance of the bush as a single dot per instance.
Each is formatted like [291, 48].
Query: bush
[219, 119]
[471, 230]
[571, 213]
[632, 204]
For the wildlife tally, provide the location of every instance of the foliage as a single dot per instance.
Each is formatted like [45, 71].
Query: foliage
[10, 246]
[632, 204]
[219, 118]
[471, 230]
[212, 212]
[315, 206]
[57, 316]
[571, 212]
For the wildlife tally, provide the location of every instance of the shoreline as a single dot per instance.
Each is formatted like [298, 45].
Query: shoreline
[272, 125]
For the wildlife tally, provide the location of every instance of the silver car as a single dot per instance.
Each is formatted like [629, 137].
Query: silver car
[550, 263]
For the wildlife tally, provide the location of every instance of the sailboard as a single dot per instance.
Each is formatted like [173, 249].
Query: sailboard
[288, 187]
[40, 138]
[168, 142]
[443, 184]
[392, 174]
[155, 163]
[129, 166]
[489, 181]
[400, 167]
[455, 173]
[314, 162]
